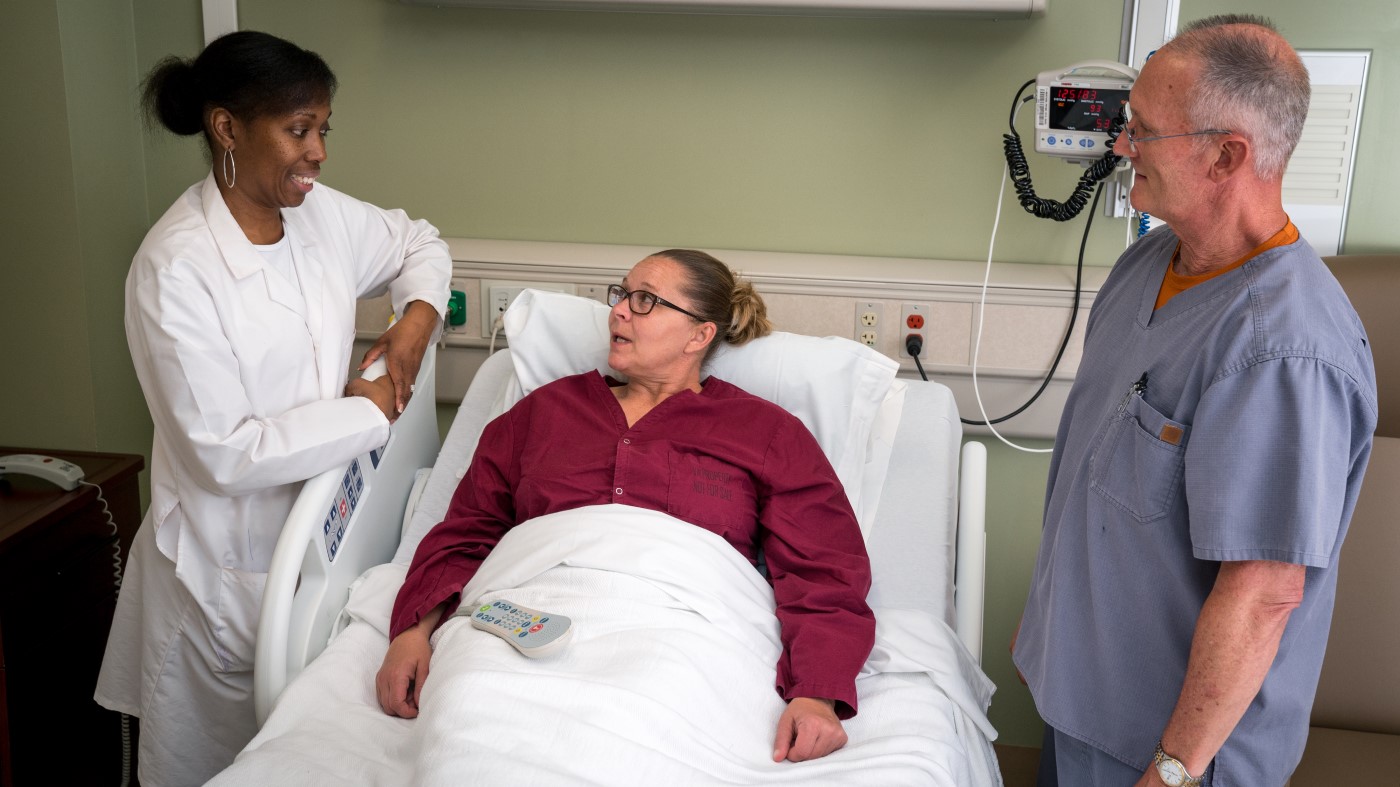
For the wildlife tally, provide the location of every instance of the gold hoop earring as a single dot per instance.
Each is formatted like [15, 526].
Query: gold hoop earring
[229, 162]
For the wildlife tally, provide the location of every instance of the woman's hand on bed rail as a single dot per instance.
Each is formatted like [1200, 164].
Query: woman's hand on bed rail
[399, 683]
[807, 730]
[403, 346]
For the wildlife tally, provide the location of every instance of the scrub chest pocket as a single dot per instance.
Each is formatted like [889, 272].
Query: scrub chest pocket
[706, 490]
[1139, 461]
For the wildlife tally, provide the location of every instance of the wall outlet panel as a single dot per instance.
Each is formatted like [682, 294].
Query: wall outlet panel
[913, 319]
[866, 324]
[597, 292]
[461, 285]
[497, 296]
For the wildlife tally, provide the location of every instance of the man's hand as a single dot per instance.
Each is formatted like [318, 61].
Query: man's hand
[403, 346]
[807, 730]
[399, 683]
[1150, 779]
[1015, 635]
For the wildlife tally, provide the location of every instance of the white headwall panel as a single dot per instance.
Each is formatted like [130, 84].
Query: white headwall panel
[1028, 308]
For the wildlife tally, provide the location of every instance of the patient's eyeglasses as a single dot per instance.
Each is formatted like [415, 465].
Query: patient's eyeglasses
[1134, 139]
[642, 302]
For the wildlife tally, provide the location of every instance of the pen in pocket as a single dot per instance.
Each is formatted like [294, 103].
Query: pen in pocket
[1136, 389]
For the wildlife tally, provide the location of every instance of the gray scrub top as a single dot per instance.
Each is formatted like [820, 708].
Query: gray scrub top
[1234, 423]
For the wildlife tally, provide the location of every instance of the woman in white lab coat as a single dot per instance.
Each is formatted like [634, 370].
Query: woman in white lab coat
[240, 314]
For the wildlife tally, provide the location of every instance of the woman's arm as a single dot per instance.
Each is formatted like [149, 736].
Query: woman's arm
[481, 512]
[821, 575]
[195, 384]
[405, 256]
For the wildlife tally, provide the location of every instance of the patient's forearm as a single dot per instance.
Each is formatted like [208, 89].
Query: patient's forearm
[429, 622]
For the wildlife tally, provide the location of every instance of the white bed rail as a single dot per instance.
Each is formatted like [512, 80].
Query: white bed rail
[969, 588]
[345, 521]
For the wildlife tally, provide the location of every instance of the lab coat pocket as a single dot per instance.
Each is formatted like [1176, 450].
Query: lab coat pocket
[236, 629]
[1140, 460]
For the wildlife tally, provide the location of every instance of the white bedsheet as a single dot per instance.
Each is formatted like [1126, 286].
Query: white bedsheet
[668, 680]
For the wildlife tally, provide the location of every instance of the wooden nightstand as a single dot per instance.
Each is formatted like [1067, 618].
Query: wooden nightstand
[57, 596]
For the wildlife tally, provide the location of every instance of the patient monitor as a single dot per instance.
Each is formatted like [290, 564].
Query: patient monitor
[1075, 107]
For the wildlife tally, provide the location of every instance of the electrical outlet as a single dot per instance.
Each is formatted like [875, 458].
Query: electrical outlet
[497, 296]
[867, 326]
[913, 320]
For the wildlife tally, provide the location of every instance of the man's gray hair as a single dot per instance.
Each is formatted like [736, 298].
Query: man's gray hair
[1252, 82]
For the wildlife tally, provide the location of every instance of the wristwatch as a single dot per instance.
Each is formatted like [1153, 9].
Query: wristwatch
[1171, 771]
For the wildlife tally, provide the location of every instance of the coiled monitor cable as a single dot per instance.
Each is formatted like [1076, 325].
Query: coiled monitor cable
[1018, 171]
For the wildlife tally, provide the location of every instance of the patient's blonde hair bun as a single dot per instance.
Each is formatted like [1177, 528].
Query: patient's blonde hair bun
[749, 314]
[717, 295]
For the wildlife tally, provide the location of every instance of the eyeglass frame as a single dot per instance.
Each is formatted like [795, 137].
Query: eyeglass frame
[1133, 139]
[617, 294]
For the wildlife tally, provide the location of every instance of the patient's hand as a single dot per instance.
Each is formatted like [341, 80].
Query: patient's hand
[399, 683]
[807, 730]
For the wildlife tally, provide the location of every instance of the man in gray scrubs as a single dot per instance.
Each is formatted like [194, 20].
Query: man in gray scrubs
[1211, 451]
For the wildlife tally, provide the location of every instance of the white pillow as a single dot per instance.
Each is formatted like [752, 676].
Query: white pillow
[834, 385]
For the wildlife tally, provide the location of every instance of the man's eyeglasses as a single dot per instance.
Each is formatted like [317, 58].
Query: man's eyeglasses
[1134, 139]
[642, 302]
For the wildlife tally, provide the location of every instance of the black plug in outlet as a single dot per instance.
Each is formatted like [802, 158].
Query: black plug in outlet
[914, 345]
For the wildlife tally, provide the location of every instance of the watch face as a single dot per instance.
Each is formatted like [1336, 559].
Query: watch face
[1171, 773]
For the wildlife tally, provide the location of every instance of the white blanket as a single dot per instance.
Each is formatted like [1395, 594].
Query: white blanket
[668, 679]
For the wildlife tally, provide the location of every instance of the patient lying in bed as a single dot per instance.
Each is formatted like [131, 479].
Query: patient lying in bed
[704, 452]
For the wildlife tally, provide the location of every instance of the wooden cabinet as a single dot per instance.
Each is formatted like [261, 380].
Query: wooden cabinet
[57, 596]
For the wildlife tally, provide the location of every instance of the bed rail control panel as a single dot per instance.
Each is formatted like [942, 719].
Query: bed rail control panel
[342, 510]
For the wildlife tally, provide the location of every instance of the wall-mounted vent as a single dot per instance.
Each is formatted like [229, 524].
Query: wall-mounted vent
[1317, 183]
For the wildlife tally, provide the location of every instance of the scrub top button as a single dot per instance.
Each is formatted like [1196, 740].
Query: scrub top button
[617, 491]
[626, 441]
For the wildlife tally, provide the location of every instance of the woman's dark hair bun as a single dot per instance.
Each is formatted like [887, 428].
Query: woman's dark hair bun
[171, 96]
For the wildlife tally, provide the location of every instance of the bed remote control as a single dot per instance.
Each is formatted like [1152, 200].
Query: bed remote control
[530, 631]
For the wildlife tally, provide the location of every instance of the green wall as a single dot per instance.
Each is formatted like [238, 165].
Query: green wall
[73, 210]
[868, 137]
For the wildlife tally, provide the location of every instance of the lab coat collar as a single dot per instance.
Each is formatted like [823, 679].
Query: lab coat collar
[239, 255]
[243, 260]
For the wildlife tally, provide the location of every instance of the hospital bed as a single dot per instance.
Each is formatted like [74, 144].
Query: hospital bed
[894, 443]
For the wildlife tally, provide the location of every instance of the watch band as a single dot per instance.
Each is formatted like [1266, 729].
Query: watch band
[1161, 757]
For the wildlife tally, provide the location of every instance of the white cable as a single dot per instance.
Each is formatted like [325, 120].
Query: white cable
[112, 525]
[981, 314]
[495, 329]
[982, 310]
[117, 580]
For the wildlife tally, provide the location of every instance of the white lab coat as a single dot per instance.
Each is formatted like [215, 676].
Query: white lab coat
[244, 379]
